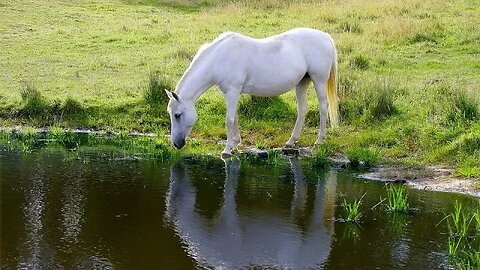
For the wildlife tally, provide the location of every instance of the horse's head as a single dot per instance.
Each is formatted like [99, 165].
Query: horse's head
[182, 117]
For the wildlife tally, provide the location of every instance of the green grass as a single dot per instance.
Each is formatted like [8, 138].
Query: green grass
[408, 71]
[352, 212]
[397, 198]
[320, 156]
[464, 236]
[362, 156]
[122, 143]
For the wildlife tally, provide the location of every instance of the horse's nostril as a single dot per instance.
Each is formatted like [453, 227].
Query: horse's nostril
[180, 144]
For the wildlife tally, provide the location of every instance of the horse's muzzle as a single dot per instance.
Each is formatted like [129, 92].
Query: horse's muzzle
[179, 144]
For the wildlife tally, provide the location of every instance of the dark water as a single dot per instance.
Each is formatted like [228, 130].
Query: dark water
[89, 211]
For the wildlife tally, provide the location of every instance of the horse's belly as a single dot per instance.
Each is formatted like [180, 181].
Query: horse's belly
[272, 83]
[274, 73]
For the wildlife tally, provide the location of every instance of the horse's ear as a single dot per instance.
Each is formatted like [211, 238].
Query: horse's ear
[172, 95]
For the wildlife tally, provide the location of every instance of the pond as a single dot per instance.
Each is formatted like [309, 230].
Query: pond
[89, 210]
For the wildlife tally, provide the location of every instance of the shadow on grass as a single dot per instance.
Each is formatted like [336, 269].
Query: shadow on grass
[132, 116]
[265, 108]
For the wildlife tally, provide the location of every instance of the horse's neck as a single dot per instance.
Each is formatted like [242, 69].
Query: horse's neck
[196, 80]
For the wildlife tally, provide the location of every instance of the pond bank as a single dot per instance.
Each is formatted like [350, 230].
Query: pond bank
[434, 178]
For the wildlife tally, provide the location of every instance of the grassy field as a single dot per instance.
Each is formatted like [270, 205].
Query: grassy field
[409, 71]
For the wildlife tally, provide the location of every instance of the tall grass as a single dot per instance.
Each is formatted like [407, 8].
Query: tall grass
[154, 93]
[33, 101]
[450, 106]
[35, 105]
[362, 156]
[366, 101]
[360, 62]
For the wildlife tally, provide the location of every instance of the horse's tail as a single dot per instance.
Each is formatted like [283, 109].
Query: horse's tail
[332, 89]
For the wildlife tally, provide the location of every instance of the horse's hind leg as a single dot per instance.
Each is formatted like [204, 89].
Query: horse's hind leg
[302, 107]
[321, 89]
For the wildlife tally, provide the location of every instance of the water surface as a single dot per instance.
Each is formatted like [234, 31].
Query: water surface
[88, 210]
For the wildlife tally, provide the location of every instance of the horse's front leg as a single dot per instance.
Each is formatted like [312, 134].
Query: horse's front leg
[233, 134]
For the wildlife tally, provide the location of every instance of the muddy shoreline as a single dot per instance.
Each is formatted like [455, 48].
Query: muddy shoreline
[433, 178]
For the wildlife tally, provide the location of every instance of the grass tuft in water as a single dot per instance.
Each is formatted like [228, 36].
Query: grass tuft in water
[464, 237]
[352, 211]
[397, 198]
[458, 222]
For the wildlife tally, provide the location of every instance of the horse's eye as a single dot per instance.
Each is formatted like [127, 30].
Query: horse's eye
[177, 115]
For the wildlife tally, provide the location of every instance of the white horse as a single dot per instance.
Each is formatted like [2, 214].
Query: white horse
[271, 66]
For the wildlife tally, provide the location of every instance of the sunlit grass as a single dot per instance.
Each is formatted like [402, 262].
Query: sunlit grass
[408, 71]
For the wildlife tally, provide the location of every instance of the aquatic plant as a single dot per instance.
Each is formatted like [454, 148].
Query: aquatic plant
[352, 232]
[397, 198]
[352, 211]
[458, 222]
[464, 239]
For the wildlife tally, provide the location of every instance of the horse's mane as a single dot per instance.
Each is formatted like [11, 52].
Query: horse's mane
[207, 46]
[202, 51]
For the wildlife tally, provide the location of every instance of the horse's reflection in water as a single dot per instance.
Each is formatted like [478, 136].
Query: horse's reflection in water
[256, 238]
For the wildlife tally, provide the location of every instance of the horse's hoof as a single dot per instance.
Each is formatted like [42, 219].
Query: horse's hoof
[226, 155]
[317, 144]
[288, 146]
[290, 151]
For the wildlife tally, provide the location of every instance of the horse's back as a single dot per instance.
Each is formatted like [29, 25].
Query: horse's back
[273, 64]
[313, 42]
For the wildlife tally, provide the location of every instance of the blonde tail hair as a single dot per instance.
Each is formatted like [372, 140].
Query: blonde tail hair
[332, 90]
